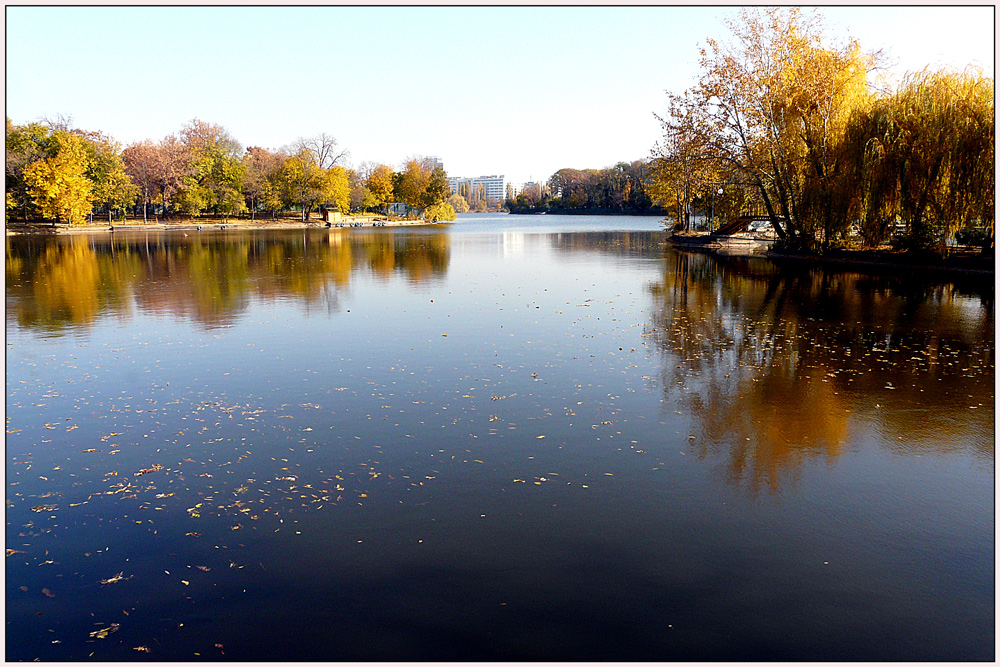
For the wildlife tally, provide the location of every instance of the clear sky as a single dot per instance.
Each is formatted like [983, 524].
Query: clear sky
[519, 91]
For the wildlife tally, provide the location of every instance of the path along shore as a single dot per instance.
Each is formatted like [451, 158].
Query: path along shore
[194, 224]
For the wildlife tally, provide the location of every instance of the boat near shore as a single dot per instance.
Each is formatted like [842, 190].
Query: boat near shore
[743, 242]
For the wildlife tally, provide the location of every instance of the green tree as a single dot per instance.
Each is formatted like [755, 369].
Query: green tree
[437, 190]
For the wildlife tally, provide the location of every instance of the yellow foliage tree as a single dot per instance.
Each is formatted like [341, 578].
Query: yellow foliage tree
[379, 184]
[336, 188]
[771, 109]
[59, 185]
[440, 212]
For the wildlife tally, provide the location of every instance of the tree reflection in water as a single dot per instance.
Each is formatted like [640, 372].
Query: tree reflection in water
[780, 364]
[56, 283]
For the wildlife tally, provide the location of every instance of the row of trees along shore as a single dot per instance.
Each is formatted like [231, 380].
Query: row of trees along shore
[62, 174]
[782, 123]
[622, 189]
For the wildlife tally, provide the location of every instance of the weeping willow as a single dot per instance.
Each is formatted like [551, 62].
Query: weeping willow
[924, 157]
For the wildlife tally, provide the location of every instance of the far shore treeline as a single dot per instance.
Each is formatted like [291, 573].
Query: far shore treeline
[56, 172]
[779, 123]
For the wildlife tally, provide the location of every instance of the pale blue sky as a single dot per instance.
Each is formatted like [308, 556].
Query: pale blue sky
[519, 91]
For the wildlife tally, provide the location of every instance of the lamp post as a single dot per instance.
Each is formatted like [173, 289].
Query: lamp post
[711, 220]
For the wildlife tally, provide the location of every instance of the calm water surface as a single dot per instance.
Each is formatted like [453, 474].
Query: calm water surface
[512, 437]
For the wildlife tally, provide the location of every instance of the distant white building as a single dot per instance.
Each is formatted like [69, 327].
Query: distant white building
[493, 186]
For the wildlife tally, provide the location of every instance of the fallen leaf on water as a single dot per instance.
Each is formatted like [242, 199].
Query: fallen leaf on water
[104, 632]
[115, 579]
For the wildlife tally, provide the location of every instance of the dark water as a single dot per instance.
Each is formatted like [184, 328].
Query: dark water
[537, 438]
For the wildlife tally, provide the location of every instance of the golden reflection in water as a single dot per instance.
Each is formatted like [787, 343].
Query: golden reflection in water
[56, 283]
[66, 283]
[780, 366]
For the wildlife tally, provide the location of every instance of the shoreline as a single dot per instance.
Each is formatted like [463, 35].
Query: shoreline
[352, 222]
[960, 260]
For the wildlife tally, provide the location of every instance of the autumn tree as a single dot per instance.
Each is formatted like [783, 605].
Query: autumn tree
[158, 169]
[683, 166]
[325, 148]
[925, 155]
[140, 163]
[175, 166]
[25, 144]
[310, 176]
[305, 184]
[337, 189]
[58, 185]
[361, 198]
[113, 189]
[260, 189]
[380, 185]
[214, 181]
[458, 203]
[439, 212]
[411, 183]
[772, 107]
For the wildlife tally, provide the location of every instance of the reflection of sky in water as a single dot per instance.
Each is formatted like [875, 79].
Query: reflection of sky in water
[489, 442]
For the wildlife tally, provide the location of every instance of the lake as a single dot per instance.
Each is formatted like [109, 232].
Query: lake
[505, 438]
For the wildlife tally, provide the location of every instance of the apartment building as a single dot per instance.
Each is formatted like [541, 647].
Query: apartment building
[493, 186]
